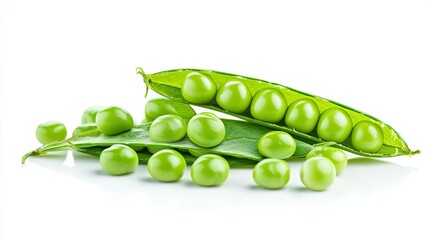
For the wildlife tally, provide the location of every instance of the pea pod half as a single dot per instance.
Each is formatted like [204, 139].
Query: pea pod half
[169, 83]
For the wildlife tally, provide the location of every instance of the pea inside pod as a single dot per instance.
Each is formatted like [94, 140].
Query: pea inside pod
[169, 84]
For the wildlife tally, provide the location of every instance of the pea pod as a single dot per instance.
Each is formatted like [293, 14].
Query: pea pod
[241, 141]
[168, 84]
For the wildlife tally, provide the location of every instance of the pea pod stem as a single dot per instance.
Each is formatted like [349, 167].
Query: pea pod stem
[168, 84]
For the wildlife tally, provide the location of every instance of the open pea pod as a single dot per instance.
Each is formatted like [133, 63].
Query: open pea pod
[241, 142]
[169, 83]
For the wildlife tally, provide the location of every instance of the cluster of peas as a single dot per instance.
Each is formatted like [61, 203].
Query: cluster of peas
[270, 105]
[204, 130]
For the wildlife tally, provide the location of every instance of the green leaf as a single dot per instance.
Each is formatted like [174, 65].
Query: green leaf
[168, 84]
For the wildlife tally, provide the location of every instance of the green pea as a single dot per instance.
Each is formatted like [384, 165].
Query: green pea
[168, 128]
[166, 165]
[234, 96]
[302, 115]
[210, 170]
[268, 105]
[114, 120]
[277, 144]
[198, 88]
[155, 149]
[271, 173]
[206, 130]
[335, 125]
[367, 137]
[118, 160]
[198, 152]
[84, 128]
[337, 156]
[158, 107]
[317, 173]
[90, 114]
[51, 131]
[137, 148]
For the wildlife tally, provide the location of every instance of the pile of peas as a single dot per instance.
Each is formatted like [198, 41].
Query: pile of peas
[206, 130]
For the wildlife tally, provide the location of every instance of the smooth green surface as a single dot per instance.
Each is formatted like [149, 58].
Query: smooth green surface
[168, 83]
[268, 105]
[277, 144]
[198, 153]
[84, 128]
[162, 106]
[337, 156]
[234, 96]
[302, 115]
[198, 88]
[210, 170]
[51, 131]
[206, 130]
[317, 173]
[271, 173]
[90, 114]
[367, 136]
[241, 142]
[166, 165]
[167, 128]
[334, 125]
[118, 160]
[114, 120]
[155, 149]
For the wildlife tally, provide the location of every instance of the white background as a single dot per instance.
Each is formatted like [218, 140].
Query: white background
[60, 57]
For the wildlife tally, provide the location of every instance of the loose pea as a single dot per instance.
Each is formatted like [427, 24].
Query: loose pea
[90, 114]
[337, 156]
[367, 137]
[198, 88]
[234, 96]
[155, 149]
[271, 173]
[206, 130]
[166, 165]
[84, 128]
[114, 120]
[119, 159]
[335, 125]
[210, 170]
[317, 173]
[277, 144]
[167, 128]
[302, 115]
[268, 105]
[50, 132]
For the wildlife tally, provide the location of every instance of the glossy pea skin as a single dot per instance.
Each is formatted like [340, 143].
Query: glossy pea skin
[198, 88]
[158, 107]
[166, 165]
[210, 170]
[51, 131]
[367, 136]
[337, 156]
[334, 125]
[317, 173]
[234, 96]
[167, 128]
[206, 130]
[118, 160]
[90, 114]
[84, 128]
[277, 144]
[302, 115]
[155, 149]
[114, 120]
[271, 173]
[268, 105]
